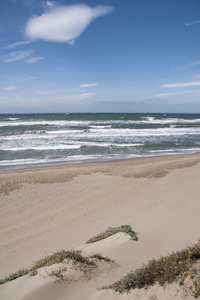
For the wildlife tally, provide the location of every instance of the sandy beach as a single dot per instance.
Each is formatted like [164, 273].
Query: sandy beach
[44, 210]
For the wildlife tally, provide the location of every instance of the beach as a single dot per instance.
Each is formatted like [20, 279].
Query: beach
[47, 209]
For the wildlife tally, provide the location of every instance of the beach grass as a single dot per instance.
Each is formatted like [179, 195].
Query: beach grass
[55, 258]
[178, 266]
[58, 257]
[113, 230]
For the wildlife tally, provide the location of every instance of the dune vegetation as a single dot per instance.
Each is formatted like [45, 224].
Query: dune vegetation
[178, 266]
[182, 266]
[113, 230]
[55, 258]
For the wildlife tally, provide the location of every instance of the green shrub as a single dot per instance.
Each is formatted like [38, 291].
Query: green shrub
[113, 230]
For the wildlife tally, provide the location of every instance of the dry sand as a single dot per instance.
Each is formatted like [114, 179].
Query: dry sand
[44, 210]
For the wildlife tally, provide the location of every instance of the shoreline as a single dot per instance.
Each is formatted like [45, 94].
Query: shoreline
[161, 166]
[47, 209]
[65, 164]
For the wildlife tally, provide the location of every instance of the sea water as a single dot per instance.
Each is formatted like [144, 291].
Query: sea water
[44, 139]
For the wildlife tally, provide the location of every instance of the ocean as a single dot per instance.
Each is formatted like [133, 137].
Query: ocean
[51, 139]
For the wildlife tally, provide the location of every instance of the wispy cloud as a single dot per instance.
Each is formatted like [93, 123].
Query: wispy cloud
[10, 88]
[173, 94]
[76, 97]
[64, 23]
[192, 64]
[26, 2]
[45, 92]
[32, 60]
[86, 85]
[20, 55]
[47, 101]
[192, 23]
[60, 69]
[16, 44]
[15, 56]
[19, 78]
[164, 94]
[2, 99]
[50, 3]
[195, 63]
[180, 85]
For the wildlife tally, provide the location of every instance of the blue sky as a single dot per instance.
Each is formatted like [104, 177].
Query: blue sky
[99, 56]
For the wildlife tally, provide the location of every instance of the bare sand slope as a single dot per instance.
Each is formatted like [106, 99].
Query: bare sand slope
[44, 210]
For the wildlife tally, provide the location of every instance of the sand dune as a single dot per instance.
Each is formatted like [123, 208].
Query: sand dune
[44, 210]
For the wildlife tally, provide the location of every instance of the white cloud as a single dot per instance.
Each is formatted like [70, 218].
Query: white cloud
[64, 24]
[192, 23]
[15, 56]
[85, 85]
[32, 59]
[183, 84]
[10, 88]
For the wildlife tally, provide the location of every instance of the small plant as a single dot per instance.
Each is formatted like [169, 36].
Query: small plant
[100, 257]
[196, 290]
[58, 274]
[176, 266]
[194, 276]
[113, 230]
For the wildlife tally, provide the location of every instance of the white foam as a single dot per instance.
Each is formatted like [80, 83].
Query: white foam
[111, 133]
[42, 148]
[45, 122]
[12, 119]
[108, 123]
[83, 158]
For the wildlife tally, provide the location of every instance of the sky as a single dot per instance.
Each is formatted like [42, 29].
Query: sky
[100, 56]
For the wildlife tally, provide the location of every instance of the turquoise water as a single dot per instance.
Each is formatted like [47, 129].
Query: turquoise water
[42, 139]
